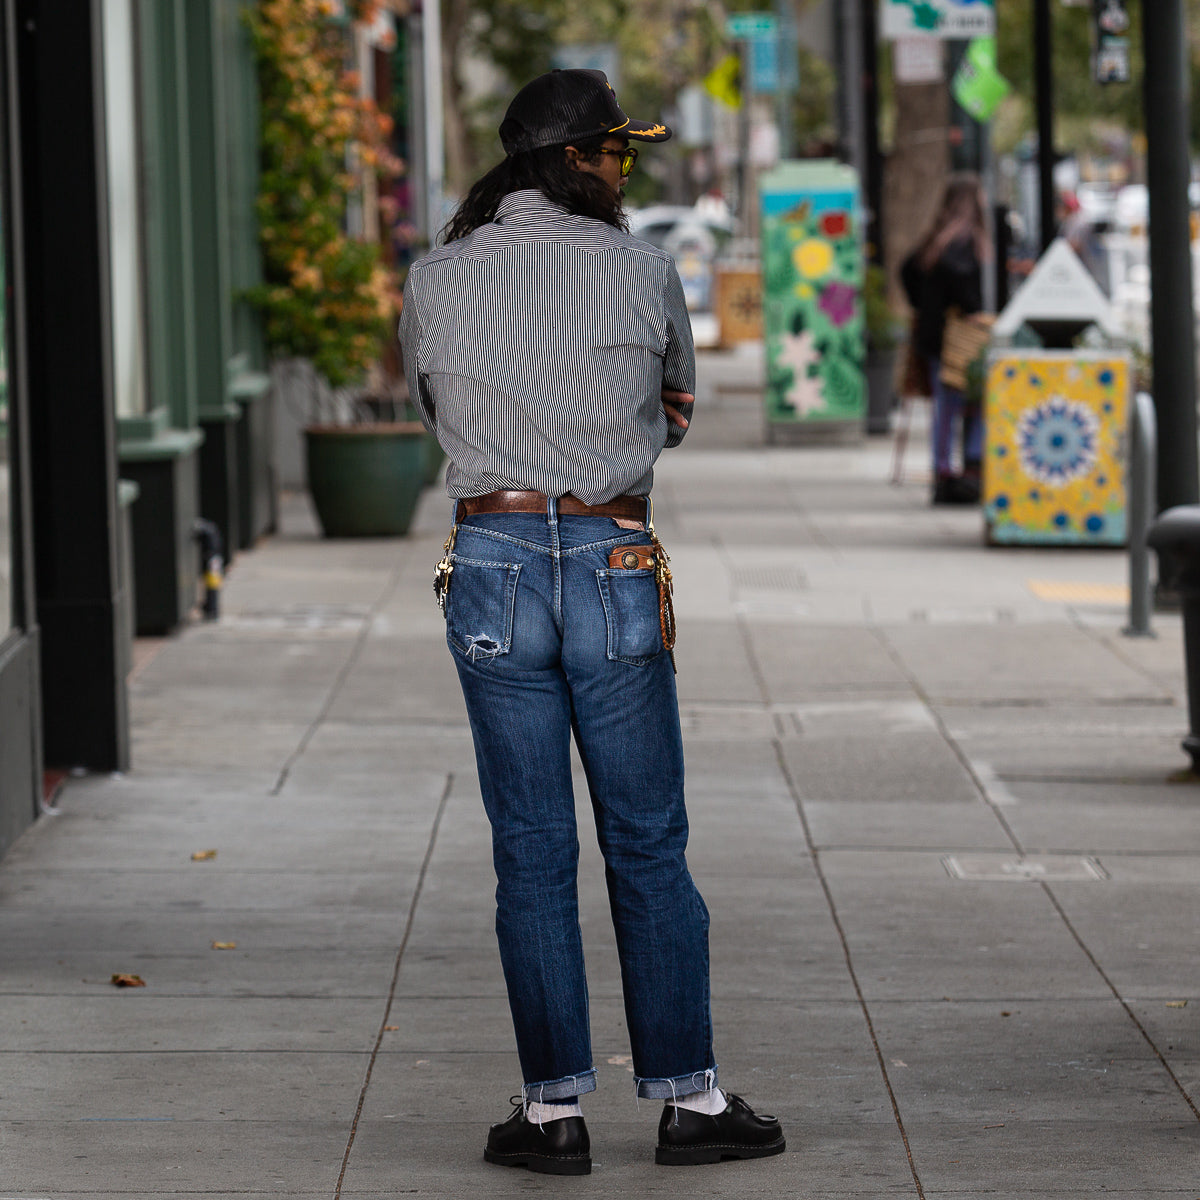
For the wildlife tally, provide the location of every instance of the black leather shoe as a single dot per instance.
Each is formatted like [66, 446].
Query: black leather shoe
[559, 1147]
[686, 1138]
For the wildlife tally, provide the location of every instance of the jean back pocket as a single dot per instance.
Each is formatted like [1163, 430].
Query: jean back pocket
[631, 609]
[479, 607]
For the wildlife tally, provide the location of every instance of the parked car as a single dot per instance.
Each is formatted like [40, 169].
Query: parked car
[692, 237]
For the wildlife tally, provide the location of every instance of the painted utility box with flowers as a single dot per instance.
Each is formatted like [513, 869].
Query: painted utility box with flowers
[1055, 461]
[812, 301]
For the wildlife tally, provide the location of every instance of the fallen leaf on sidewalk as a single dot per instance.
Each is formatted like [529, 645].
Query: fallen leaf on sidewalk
[390, 1028]
[204, 855]
[120, 980]
[1177, 1004]
[620, 1060]
[224, 945]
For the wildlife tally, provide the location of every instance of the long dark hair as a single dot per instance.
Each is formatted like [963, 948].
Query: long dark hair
[547, 170]
[960, 218]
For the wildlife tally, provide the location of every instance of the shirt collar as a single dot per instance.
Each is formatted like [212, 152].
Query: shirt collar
[526, 203]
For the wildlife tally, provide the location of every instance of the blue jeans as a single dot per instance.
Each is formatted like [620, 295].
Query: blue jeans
[548, 640]
[949, 406]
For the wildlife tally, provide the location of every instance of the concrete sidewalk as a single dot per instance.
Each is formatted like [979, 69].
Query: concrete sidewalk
[955, 892]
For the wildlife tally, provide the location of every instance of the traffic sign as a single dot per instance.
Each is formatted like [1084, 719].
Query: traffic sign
[750, 25]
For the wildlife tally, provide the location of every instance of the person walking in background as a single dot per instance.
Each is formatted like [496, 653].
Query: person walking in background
[945, 272]
[550, 352]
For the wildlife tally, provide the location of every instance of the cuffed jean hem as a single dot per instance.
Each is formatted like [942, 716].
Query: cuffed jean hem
[558, 1089]
[675, 1089]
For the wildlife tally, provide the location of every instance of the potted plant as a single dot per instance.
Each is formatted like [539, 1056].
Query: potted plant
[329, 302]
[882, 342]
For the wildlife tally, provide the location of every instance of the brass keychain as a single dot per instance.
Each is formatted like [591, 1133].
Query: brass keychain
[666, 588]
[443, 571]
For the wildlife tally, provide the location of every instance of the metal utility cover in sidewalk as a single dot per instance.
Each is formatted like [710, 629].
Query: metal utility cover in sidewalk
[1035, 868]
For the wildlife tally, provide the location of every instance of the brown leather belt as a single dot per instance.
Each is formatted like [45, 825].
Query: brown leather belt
[629, 508]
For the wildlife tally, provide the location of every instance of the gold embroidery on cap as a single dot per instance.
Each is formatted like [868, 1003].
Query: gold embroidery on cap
[621, 126]
[652, 131]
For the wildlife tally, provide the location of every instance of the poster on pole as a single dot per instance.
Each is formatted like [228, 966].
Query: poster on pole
[1110, 41]
[937, 18]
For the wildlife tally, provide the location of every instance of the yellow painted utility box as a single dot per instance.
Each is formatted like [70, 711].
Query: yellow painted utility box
[737, 296]
[1055, 460]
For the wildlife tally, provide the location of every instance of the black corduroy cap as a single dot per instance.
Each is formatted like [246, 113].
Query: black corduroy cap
[557, 108]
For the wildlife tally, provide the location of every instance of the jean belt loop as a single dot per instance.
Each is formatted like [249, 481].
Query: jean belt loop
[551, 510]
[649, 511]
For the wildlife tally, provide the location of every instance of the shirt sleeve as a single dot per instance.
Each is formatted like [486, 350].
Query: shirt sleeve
[679, 361]
[410, 346]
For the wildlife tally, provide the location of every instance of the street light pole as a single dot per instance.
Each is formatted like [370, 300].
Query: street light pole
[1044, 73]
[1172, 317]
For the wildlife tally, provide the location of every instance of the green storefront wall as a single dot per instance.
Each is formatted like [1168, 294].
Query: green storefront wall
[202, 449]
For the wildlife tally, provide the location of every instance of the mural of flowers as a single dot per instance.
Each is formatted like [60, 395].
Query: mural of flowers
[1055, 460]
[812, 282]
[813, 258]
[1058, 440]
[835, 224]
[838, 302]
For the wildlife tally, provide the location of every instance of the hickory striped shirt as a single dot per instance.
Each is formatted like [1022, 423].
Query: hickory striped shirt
[536, 350]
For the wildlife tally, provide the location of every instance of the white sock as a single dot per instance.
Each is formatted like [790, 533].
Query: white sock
[709, 1103]
[538, 1113]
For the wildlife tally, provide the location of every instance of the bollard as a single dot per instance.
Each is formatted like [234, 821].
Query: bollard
[1143, 494]
[212, 550]
[1176, 537]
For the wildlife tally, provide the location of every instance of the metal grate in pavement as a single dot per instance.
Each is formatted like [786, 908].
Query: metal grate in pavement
[1032, 868]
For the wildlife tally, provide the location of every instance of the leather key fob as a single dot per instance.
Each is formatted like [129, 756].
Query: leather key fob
[632, 558]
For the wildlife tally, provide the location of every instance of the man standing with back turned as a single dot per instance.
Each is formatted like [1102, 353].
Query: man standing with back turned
[550, 352]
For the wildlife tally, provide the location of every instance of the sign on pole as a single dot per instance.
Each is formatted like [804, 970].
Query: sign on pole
[764, 63]
[978, 86]
[918, 60]
[750, 25]
[1110, 41]
[937, 18]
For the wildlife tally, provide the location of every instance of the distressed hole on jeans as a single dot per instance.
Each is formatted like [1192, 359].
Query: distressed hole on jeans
[482, 646]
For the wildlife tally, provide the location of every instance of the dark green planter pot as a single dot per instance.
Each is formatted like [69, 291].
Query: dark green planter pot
[434, 457]
[434, 454]
[365, 480]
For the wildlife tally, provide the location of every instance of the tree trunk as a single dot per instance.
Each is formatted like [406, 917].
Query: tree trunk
[916, 171]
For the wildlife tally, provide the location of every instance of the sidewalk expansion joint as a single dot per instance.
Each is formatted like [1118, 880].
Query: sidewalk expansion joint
[387, 1008]
[815, 858]
[365, 621]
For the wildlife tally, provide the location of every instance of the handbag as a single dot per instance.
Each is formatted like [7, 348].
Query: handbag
[964, 342]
